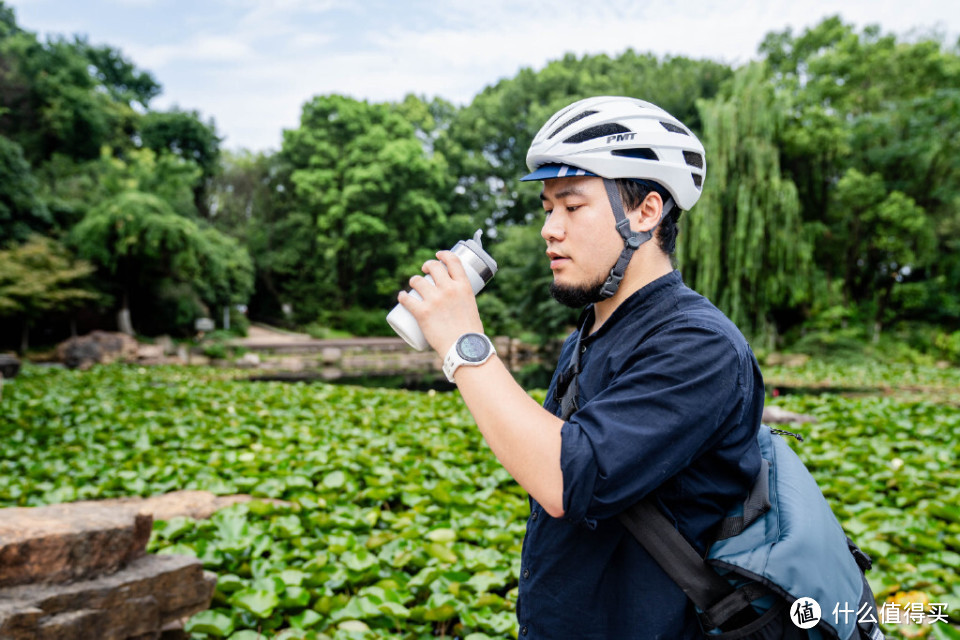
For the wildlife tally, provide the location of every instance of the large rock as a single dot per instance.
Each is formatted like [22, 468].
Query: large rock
[79, 571]
[65, 542]
[135, 602]
[150, 354]
[9, 366]
[198, 505]
[97, 347]
[776, 415]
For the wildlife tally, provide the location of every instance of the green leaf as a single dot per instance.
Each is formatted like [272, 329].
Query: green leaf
[176, 527]
[442, 535]
[394, 610]
[295, 598]
[259, 602]
[306, 619]
[334, 480]
[353, 625]
[441, 552]
[211, 622]
[943, 631]
[292, 577]
[442, 612]
[358, 560]
[228, 583]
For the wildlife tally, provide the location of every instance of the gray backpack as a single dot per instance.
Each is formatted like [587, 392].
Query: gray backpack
[779, 549]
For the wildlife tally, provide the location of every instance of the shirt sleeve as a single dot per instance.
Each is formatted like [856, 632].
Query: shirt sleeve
[666, 403]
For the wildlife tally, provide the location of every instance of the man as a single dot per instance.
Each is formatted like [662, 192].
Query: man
[656, 393]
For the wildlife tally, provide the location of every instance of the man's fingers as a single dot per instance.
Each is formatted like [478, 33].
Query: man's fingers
[437, 271]
[422, 286]
[453, 264]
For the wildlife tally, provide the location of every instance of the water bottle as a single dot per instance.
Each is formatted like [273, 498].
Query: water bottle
[480, 267]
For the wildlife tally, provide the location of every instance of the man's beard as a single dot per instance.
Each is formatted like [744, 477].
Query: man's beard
[577, 296]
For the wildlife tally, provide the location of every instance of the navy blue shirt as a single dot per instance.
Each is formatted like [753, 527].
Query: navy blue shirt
[670, 400]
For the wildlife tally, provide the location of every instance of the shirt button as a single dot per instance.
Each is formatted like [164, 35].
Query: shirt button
[523, 631]
[526, 573]
[534, 515]
[583, 348]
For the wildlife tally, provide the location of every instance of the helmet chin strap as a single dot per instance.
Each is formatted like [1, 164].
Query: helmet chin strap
[632, 240]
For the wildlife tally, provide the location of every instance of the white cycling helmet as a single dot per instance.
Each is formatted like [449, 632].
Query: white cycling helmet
[614, 137]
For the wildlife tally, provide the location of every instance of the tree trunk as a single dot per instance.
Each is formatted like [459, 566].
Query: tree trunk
[25, 338]
[123, 316]
[883, 299]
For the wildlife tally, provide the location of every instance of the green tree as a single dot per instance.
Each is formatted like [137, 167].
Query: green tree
[21, 211]
[367, 184]
[163, 174]
[38, 278]
[183, 134]
[142, 245]
[882, 237]
[70, 188]
[744, 246]
[69, 97]
[118, 75]
[887, 109]
[52, 100]
[241, 192]
[250, 198]
[8, 20]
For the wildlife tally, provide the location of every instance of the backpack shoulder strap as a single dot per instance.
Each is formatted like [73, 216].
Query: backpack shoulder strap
[756, 504]
[715, 597]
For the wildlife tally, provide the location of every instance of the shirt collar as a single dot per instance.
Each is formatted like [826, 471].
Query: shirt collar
[638, 301]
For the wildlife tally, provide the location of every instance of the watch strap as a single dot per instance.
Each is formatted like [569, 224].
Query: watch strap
[452, 361]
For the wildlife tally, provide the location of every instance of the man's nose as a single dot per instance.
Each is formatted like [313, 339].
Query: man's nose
[552, 228]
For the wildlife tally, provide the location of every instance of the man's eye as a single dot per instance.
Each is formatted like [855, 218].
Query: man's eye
[574, 207]
[547, 212]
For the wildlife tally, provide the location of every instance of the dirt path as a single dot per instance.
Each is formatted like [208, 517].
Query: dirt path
[262, 334]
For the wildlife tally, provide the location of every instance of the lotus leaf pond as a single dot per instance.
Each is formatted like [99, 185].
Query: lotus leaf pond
[382, 514]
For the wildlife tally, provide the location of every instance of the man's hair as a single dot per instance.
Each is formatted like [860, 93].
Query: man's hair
[632, 194]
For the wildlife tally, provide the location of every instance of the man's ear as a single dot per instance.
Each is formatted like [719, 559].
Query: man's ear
[647, 215]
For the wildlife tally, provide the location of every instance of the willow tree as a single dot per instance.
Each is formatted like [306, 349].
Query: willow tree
[745, 247]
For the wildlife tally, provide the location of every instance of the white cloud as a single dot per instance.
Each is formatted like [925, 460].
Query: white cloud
[135, 3]
[483, 42]
[197, 49]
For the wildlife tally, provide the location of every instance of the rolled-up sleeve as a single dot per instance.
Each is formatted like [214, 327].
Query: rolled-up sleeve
[664, 405]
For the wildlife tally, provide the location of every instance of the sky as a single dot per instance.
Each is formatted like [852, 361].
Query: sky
[249, 65]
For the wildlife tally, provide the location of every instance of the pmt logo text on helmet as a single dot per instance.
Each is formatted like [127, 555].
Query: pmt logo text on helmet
[621, 137]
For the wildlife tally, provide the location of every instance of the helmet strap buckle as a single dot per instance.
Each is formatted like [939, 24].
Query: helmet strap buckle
[632, 240]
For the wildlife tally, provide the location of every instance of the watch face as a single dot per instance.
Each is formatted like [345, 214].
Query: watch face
[473, 347]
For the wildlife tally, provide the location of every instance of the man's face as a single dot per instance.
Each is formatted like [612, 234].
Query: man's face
[582, 240]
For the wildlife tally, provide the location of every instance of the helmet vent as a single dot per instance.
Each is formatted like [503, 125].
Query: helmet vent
[569, 122]
[697, 180]
[642, 154]
[672, 128]
[598, 131]
[693, 159]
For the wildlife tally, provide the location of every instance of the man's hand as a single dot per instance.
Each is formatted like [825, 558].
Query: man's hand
[449, 307]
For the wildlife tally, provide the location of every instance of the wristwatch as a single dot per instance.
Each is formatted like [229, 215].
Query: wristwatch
[471, 349]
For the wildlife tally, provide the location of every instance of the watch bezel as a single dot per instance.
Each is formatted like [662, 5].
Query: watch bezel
[482, 339]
